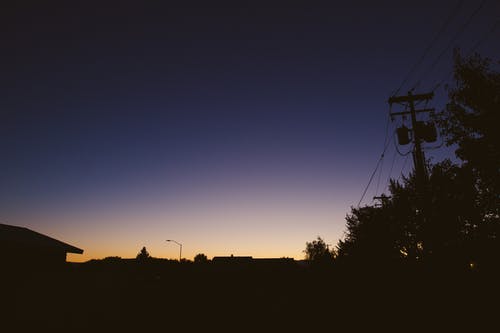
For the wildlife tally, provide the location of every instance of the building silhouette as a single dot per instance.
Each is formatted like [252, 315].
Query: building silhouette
[24, 249]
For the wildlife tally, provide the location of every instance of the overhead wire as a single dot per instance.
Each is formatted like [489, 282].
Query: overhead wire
[379, 177]
[385, 142]
[485, 37]
[390, 171]
[471, 50]
[386, 145]
[403, 168]
[429, 46]
[451, 42]
[371, 178]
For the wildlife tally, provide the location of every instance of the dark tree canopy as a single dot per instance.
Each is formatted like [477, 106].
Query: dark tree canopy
[398, 231]
[386, 233]
[470, 118]
[470, 121]
[200, 258]
[318, 251]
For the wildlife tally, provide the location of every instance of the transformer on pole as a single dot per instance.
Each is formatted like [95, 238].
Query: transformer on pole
[419, 132]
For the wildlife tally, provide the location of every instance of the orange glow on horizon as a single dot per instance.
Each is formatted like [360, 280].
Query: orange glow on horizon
[264, 228]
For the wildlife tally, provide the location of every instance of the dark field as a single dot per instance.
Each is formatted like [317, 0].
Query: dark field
[126, 296]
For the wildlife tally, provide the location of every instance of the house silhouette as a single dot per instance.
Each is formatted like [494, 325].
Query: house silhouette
[23, 248]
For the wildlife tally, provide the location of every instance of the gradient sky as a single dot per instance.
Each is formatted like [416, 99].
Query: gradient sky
[238, 127]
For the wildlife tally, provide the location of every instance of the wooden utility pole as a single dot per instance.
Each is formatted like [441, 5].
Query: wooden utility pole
[418, 154]
[421, 131]
[382, 198]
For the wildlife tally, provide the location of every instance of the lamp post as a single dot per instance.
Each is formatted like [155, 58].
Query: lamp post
[180, 248]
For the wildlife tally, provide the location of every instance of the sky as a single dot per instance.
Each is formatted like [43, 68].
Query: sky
[232, 127]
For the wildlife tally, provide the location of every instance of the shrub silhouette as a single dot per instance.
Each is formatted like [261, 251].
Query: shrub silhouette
[200, 258]
[318, 251]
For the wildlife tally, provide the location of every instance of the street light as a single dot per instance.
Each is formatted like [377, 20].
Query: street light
[180, 245]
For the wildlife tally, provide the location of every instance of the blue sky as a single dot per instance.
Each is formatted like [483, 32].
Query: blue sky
[233, 127]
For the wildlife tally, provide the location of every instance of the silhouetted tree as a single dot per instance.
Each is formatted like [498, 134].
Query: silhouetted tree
[200, 258]
[318, 251]
[371, 236]
[470, 121]
[383, 234]
[395, 230]
[143, 255]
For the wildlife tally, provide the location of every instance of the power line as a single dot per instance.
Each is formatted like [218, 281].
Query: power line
[379, 176]
[474, 47]
[485, 37]
[385, 142]
[403, 168]
[390, 170]
[369, 182]
[452, 41]
[430, 45]
[387, 127]
[374, 171]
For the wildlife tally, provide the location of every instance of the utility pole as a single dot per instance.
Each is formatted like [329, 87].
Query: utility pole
[382, 198]
[420, 132]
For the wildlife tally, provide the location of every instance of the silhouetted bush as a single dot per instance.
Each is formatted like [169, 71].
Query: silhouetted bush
[317, 251]
[200, 258]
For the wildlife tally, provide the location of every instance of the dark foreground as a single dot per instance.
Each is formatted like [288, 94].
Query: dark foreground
[140, 298]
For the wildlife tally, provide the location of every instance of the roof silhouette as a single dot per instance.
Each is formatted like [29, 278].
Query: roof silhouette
[32, 239]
